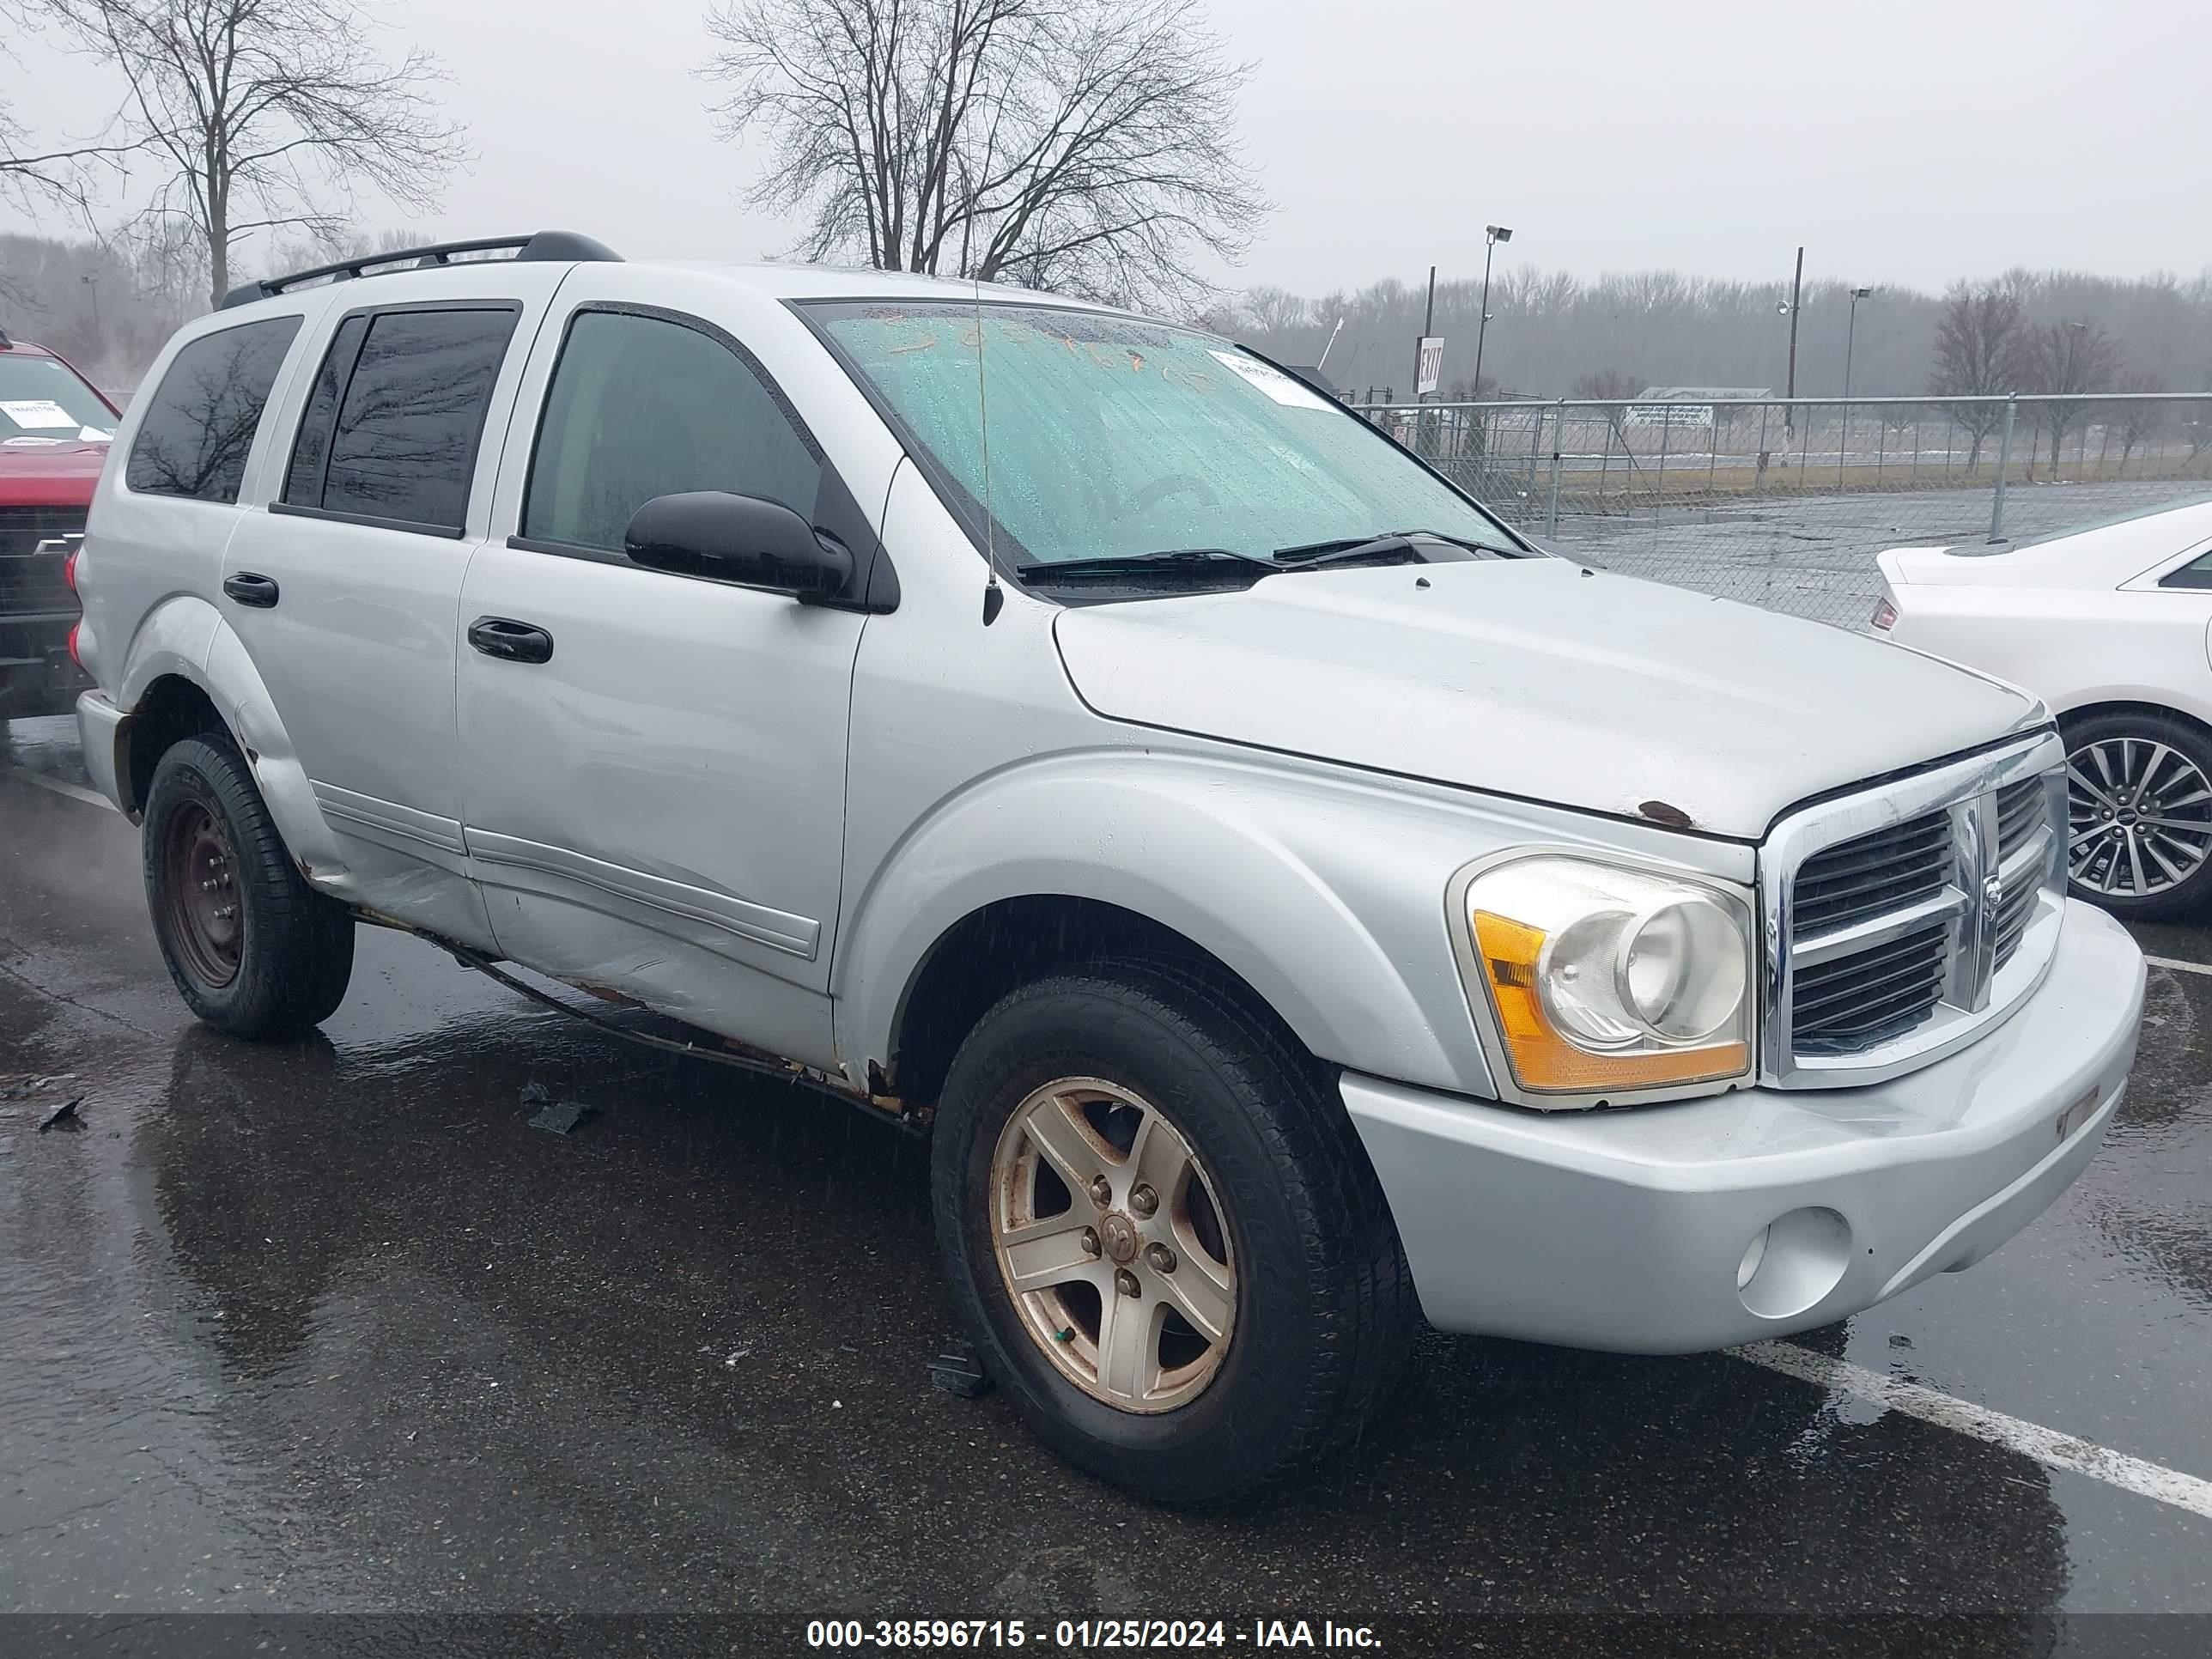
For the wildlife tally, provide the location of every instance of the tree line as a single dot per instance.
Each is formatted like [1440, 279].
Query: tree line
[1554, 335]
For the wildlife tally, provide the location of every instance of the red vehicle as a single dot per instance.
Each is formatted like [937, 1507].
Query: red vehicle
[55, 428]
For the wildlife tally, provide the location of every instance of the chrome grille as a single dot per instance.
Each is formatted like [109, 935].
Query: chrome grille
[1903, 919]
[1873, 874]
[1852, 1002]
[2022, 809]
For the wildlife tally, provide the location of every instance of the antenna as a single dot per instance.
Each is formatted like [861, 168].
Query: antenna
[994, 597]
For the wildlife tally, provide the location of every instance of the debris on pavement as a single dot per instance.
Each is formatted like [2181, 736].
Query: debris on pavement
[556, 1117]
[958, 1371]
[64, 1116]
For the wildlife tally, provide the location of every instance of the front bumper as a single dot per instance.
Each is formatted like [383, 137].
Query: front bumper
[1626, 1230]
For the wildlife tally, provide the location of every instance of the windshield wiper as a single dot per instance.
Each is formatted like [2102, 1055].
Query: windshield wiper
[1203, 564]
[1374, 550]
[1350, 550]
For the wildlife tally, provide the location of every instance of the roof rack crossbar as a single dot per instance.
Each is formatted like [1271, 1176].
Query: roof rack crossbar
[544, 244]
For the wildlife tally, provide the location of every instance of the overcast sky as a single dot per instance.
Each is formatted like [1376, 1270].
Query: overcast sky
[1901, 142]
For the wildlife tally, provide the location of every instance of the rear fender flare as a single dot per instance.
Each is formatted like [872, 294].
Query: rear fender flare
[188, 638]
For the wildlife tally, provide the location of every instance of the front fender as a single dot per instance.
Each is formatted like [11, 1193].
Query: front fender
[1327, 897]
[187, 638]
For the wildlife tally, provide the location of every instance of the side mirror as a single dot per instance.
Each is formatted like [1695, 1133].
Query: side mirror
[738, 539]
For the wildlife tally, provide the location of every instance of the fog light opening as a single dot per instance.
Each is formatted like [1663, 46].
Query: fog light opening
[1754, 1253]
[1792, 1265]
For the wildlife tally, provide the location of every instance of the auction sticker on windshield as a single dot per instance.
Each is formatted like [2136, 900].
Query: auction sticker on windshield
[27, 412]
[1272, 381]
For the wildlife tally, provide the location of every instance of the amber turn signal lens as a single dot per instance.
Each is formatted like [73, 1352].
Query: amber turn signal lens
[1542, 1059]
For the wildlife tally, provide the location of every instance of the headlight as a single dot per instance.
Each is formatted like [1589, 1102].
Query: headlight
[1603, 978]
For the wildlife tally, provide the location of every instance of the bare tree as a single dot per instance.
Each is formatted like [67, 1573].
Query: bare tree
[2069, 361]
[2138, 423]
[267, 114]
[36, 173]
[1277, 310]
[1083, 144]
[1982, 350]
[1611, 387]
[2197, 422]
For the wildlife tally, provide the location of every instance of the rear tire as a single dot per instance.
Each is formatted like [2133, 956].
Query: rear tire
[254, 950]
[2139, 788]
[1279, 1205]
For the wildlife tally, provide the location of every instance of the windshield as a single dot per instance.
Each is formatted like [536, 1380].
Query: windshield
[1111, 438]
[41, 402]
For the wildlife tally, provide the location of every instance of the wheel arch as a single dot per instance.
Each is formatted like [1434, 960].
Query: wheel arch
[189, 672]
[1274, 887]
[2141, 707]
[1014, 941]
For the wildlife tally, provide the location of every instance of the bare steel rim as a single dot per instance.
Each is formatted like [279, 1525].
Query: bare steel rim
[200, 894]
[2138, 815]
[1113, 1244]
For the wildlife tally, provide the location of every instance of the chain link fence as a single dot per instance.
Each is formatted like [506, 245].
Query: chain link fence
[1785, 502]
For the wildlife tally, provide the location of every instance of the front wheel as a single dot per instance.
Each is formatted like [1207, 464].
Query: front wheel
[1163, 1234]
[255, 951]
[2139, 815]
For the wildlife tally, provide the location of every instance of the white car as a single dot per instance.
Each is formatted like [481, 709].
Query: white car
[2113, 628]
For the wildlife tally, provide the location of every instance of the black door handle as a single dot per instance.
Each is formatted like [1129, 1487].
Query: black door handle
[249, 589]
[510, 642]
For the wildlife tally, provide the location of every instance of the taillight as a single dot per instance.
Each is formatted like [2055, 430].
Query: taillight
[68, 570]
[1885, 615]
[75, 630]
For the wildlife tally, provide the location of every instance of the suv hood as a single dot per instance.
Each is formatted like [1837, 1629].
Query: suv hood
[1536, 678]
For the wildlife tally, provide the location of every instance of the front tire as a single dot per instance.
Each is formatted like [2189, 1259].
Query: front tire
[254, 950]
[1163, 1234]
[2139, 815]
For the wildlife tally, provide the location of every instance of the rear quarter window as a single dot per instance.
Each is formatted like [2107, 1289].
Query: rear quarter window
[200, 421]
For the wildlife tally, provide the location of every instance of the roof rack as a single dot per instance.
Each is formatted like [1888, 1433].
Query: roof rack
[545, 245]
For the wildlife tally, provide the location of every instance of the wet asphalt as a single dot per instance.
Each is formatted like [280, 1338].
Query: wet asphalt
[330, 1328]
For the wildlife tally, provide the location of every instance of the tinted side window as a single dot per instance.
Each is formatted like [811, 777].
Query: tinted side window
[200, 421]
[310, 452]
[640, 407]
[2197, 573]
[411, 415]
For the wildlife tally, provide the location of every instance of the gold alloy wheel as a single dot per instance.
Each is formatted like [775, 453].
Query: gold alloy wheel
[1113, 1245]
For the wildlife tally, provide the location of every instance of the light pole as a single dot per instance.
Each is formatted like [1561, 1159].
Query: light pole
[1789, 308]
[1851, 337]
[1492, 236]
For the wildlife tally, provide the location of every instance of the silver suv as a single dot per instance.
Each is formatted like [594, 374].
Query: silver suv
[1293, 904]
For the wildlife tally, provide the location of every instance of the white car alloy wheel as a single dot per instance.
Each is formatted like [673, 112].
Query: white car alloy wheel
[2139, 816]
[1113, 1245]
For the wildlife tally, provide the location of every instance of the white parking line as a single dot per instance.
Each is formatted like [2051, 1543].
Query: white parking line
[55, 785]
[2176, 963]
[2046, 1446]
